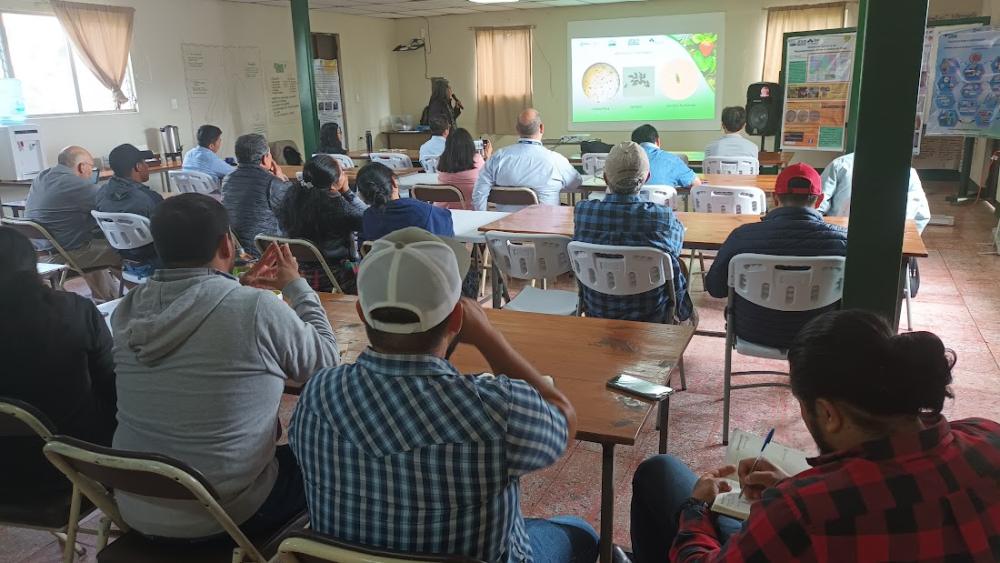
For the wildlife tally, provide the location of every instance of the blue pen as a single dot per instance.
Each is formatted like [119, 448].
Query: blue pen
[767, 441]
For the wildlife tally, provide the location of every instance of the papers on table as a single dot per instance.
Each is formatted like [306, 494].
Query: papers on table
[743, 445]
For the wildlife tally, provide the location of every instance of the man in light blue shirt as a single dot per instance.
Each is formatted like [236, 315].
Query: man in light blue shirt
[665, 169]
[837, 178]
[434, 147]
[733, 144]
[203, 158]
[529, 164]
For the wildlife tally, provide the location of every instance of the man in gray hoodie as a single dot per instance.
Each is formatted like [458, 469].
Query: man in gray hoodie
[202, 362]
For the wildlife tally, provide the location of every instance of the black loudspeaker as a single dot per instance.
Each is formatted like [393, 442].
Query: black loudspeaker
[763, 109]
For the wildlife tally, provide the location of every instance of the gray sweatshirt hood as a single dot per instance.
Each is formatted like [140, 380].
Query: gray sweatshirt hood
[158, 317]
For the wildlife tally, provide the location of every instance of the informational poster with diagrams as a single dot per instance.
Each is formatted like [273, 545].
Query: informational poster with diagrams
[818, 73]
[329, 102]
[966, 99]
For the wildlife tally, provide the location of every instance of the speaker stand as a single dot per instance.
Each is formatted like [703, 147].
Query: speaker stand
[762, 141]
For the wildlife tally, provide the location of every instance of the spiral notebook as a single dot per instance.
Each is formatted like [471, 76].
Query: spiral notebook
[744, 445]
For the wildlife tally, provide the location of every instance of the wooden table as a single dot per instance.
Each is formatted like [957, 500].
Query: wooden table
[581, 355]
[697, 158]
[352, 174]
[705, 231]
[406, 139]
[414, 154]
[16, 207]
[763, 181]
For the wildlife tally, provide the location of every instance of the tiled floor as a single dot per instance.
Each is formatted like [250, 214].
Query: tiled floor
[957, 300]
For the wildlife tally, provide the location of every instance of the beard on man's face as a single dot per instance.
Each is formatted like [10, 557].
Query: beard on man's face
[809, 417]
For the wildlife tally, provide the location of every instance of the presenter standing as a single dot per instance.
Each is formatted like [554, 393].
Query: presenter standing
[443, 104]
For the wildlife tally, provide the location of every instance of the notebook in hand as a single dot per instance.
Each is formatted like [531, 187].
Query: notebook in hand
[743, 445]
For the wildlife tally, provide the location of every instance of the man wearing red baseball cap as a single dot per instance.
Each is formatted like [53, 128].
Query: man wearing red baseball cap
[793, 227]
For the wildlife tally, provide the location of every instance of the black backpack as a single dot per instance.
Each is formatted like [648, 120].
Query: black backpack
[595, 146]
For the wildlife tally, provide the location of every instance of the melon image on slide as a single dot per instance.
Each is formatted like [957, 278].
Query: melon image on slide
[678, 77]
[601, 82]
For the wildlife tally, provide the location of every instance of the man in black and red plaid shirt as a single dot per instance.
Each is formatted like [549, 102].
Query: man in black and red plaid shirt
[896, 481]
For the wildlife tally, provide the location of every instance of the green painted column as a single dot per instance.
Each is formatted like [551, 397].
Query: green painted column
[302, 35]
[891, 37]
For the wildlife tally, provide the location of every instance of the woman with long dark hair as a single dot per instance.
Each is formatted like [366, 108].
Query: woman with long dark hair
[331, 139]
[460, 163]
[56, 350]
[322, 209]
[378, 186]
[440, 104]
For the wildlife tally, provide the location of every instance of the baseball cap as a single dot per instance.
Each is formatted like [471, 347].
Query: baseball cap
[124, 157]
[627, 165]
[798, 179]
[413, 270]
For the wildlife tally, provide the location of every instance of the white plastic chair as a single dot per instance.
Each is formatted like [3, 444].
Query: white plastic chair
[733, 165]
[394, 160]
[430, 164]
[593, 163]
[778, 283]
[623, 271]
[660, 195]
[191, 181]
[534, 257]
[125, 231]
[346, 162]
[741, 200]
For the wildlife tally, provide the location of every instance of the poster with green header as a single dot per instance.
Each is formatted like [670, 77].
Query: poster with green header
[818, 70]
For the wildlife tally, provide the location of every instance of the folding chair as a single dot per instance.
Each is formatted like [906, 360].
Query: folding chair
[125, 231]
[512, 198]
[731, 165]
[534, 257]
[430, 164]
[743, 200]
[52, 513]
[394, 160]
[35, 231]
[303, 250]
[778, 283]
[308, 546]
[593, 163]
[51, 272]
[624, 271]
[97, 471]
[437, 193]
[191, 181]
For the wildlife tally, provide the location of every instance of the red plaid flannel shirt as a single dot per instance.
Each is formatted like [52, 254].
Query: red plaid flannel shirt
[927, 496]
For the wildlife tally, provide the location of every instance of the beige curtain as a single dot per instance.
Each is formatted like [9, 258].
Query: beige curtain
[798, 18]
[102, 36]
[503, 77]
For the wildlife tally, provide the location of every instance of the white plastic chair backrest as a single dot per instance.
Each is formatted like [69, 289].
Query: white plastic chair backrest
[735, 165]
[430, 164]
[529, 257]
[619, 270]
[660, 195]
[124, 231]
[741, 200]
[787, 283]
[593, 163]
[393, 160]
[346, 162]
[192, 181]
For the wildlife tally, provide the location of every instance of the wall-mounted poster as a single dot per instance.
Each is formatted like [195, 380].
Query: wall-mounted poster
[967, 84]
[818, 72]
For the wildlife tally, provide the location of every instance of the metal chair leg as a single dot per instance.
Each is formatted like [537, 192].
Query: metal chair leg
[726, 389]
[74, 523]
[906, 296]
[680, 370]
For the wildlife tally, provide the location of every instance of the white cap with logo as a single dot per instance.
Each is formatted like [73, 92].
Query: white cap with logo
[412, 270]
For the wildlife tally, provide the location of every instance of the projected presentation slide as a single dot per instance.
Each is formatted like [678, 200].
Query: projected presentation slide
[644, 77]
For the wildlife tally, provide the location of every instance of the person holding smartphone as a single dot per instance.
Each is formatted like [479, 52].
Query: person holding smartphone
[460, 164]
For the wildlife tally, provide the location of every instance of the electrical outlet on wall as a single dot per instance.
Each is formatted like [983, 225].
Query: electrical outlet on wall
[173, 103]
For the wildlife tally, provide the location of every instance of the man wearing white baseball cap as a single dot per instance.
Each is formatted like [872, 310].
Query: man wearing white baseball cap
[399, 450]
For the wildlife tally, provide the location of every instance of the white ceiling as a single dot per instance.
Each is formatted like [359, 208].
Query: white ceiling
[421, 8]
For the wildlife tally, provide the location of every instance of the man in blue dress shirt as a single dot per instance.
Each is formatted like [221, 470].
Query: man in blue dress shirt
[665, 168]
[204, 157]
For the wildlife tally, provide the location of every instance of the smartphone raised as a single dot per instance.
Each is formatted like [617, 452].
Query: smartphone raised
[639, 387]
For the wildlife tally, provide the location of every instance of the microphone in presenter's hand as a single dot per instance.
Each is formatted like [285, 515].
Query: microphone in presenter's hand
[457, 102]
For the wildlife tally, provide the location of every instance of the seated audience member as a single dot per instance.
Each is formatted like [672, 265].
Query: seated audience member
[205, 157]
[461, 441]
[331, 139]
[895, 480]
[734, 118]
[61, 199]
[125, 192]
[379, 187]
[665, 168]
[202, 362]
[622, 219]
[252, 193]
[460, 164]
[57, 357]
[793, 228]
[837, 179]
[323, 210]
[440, 129]
[529, 164]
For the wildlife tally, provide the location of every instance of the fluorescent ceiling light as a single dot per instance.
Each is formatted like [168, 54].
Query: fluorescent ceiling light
[492, 1]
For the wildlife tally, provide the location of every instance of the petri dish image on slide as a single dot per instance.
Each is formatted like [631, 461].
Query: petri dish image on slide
[601, 82]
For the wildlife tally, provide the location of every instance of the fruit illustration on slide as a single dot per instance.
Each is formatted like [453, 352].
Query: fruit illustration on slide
[679, 78]
[601, 82]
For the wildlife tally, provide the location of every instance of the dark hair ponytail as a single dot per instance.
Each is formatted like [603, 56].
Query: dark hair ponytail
[25, 311]
[322, 172]
[308, 205]
[853, 356]
[375, 182]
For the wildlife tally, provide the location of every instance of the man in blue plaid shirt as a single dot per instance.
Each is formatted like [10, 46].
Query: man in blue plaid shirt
[401, 451]
[623, 219]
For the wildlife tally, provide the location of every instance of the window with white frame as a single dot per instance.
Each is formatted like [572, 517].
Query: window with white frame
[55, 81]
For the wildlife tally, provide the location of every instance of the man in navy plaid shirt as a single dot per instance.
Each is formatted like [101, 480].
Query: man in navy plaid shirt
[895, 480]
[623, 219]
[399, 450]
